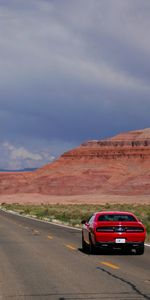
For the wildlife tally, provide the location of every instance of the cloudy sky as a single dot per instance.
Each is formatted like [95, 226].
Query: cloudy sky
[70, 71]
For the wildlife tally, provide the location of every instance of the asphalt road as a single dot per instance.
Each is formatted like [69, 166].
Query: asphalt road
[44, 261]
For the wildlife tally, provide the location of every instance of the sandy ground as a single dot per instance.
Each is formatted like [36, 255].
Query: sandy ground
[83, 199]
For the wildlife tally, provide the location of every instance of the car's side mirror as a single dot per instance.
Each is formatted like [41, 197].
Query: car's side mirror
[83, 221]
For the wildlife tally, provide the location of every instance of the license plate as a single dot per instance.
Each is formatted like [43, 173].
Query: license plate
[120, 241]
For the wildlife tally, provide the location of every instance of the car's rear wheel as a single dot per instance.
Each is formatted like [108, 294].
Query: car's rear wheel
[84, 244]
[91, 246]
[140, 250]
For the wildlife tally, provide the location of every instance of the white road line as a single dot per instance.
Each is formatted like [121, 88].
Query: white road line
[43, 221]
[60, 225]
[147, 245]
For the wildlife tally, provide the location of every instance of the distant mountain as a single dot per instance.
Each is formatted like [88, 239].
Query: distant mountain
[20, 170]
[116, 166]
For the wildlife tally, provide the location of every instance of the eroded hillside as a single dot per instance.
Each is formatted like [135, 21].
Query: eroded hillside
[118, 165]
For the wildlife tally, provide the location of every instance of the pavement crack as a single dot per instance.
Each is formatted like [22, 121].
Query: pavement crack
[132, 285]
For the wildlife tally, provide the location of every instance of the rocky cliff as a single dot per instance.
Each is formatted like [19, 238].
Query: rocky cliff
[117, 165]
[135, 144]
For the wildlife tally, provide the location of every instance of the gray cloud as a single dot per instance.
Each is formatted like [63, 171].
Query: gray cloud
[72, 71]
[13, 157]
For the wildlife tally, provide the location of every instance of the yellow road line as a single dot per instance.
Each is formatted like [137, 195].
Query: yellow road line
[71, 247]
[50, 237]
[108, 264]
[35, 231]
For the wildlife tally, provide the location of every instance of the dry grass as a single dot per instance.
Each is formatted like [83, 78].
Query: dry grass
[72, 214]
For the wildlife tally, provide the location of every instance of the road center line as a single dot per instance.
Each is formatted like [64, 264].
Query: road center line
[50, 237]
[35, 231]
[71, 247]
[108, 264]
[47, 222]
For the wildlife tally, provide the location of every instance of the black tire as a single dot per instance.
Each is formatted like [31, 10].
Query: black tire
[91, 246]
[140, 250]
[84, 244]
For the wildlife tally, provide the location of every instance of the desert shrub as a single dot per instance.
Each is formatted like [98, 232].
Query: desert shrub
[73, 214]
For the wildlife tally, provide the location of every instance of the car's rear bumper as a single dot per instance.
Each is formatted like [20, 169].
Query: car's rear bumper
[127, 245]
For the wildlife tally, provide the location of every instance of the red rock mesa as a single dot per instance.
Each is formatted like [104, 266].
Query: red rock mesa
[118, 166]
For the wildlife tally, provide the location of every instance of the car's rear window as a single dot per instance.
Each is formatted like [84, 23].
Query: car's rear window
[116, 217]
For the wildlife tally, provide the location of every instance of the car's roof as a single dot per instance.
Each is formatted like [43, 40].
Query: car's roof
[114, 212]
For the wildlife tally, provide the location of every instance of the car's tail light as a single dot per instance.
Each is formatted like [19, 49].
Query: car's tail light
[105, 229]
[120, 229]
[134, 229]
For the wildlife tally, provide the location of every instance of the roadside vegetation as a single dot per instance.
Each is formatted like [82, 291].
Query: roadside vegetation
[73, 214]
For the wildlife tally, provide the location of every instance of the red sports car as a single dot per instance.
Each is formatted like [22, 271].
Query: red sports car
[113, 229]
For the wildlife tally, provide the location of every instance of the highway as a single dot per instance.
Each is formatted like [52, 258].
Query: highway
[45, 261]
